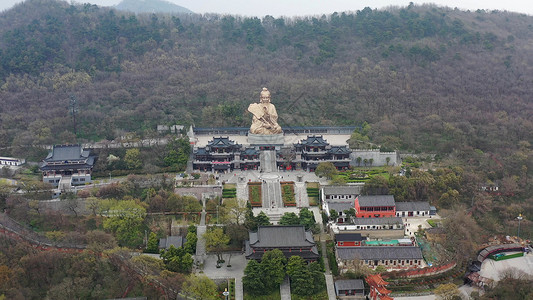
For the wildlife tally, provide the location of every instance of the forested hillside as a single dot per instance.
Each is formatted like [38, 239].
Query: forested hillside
[425, 78]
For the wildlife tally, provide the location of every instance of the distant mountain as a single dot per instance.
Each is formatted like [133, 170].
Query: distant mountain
[151, 6]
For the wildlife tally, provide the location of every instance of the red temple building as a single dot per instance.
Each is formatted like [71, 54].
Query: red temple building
[378, 206]
[378, 290]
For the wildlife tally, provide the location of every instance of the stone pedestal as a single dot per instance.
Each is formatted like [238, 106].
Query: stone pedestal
[266, 139]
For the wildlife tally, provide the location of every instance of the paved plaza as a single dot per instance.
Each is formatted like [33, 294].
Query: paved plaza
[207, 263]
[495, 269]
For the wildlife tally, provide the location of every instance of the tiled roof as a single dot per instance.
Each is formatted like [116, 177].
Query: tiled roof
[379, 253]
[340, 206]
[378, 221]
[412, 206]
[221, 142]
[314, 140]
[66, 152]
[201, 151]
[305, 254]
[281, 236]
[250, 151]
[351, 284]
[341, 190]
[341, 237]
[339, 150]
[67, 157]
[376, 200]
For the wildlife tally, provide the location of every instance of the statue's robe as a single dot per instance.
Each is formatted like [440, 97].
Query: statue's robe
[265, 119]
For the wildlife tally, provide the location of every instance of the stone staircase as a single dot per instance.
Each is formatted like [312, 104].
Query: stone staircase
[268, 161]
[65, 183]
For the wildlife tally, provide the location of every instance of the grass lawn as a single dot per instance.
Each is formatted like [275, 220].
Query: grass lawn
[287, 193]
[229, 186]
[254, 191]
[313, 192]
[434, 223]
[362, 174]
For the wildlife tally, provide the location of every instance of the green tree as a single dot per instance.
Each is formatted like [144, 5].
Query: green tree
[260, 220]
[326, 169]
[337, 180]
[233, 211]
[125, 220]
[301, 283]
[273, 267]
[253, 281]
[216, 241]
[200, 287]
[316, 275]
[190, 244]
[177, 259]
[133, 159]
[350, 213]
[289, 218]
[307, 218]
[178, 151]
[333, 215]
[191, 204]
[153, 243]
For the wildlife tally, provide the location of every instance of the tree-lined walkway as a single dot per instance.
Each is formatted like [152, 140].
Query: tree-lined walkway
[329, 278]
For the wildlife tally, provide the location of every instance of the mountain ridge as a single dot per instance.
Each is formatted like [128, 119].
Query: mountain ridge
[152, 6]
[426, 78]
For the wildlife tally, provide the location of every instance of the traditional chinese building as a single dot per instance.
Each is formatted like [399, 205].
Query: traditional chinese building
[350, 289]
[349, 240]
[219, 155]
[11, 161]
[67, 165]
[290, 239]
[314, 150]
[375, 228]
[412, 209]
[377, 206]
[378, 288]
[391, 257]
[222, 154]
[249, 159]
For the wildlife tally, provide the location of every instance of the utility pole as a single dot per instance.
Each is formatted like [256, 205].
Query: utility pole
[519, 219]
[73, 110]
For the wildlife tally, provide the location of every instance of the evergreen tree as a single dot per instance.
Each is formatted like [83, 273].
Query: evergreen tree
[253, 281]
[289, 218]
[307, 218]
[273, 268]
[153, 243]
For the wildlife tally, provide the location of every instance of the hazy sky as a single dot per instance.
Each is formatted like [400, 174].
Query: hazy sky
[313, 7]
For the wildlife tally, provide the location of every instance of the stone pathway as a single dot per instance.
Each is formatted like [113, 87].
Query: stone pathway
[200, 244]
[300, 194]
[331, 287]
[329, 278]
[285, 289]
[239, 291]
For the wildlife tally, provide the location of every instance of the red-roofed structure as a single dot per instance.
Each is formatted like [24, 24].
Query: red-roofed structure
[378, 290]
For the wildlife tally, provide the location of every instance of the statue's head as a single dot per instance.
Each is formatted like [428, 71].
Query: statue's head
[265, 95]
